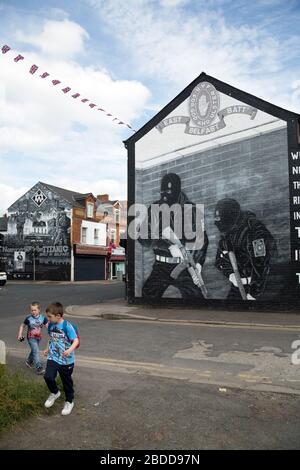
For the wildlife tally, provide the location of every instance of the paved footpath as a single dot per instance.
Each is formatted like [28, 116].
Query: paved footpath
[120, 309]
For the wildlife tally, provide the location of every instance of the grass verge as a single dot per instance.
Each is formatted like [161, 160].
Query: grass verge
[20, 397]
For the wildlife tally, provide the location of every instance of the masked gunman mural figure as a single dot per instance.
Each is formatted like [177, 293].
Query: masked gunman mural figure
[179, 256]
[245, 250]
[20, 222]
[63, 228]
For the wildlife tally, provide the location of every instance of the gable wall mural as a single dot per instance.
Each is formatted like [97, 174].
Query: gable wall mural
[37, 242]
[230, 161]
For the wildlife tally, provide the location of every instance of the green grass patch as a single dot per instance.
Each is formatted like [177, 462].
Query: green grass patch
[20, 397]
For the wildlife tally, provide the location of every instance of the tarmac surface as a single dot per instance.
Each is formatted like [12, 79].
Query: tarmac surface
[167, 378]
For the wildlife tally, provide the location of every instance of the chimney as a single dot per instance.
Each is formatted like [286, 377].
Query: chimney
[103, 197]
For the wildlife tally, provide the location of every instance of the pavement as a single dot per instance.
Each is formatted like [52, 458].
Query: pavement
[120, 310]
[72, 283]
[132, 411]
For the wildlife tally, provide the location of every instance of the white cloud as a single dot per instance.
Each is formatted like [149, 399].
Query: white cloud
[113, 187]
[175, 49]
[172, 3]
[61, 39]
[55, 138]
[9, 194]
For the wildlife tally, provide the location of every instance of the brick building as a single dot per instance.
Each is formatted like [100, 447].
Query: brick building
[224, 146]
[114, 214]
[89, 240]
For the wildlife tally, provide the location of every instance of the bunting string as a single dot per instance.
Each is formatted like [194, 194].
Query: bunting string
[34, 68]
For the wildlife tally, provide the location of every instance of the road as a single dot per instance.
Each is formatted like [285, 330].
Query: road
[151, 385]
[15, 297]
[242, 356]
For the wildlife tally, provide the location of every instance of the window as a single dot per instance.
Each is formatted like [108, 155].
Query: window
[96, 235]
[90, 210]
[83, 234]
[117, 216]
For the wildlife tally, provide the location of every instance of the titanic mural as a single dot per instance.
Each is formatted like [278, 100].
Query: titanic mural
[37, 243]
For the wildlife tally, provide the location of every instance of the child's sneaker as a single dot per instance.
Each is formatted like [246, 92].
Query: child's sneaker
[40, 371]
[51, 399]
[67, 408]
[29, 364]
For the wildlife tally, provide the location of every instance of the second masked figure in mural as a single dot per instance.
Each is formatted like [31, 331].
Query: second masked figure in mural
[177, 262]
[245, 250]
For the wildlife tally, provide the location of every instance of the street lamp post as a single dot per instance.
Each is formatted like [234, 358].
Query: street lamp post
[33, 253]
[33, 259]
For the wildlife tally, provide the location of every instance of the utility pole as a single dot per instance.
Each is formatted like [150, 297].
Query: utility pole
[33, 253]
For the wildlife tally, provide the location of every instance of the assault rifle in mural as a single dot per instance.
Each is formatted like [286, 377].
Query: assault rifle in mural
[236, 273]
[186, 263]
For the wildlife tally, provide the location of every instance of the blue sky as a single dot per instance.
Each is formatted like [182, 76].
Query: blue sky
[131, 58]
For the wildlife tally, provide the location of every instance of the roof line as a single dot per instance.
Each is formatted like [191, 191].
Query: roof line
[53, 188]
[23, 195]
[223, 87]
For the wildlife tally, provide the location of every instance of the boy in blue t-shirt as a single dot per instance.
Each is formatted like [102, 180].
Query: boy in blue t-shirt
[34, 322]
[62, 342]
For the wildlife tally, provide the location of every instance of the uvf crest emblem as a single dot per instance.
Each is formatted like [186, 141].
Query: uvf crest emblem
[204, 104]
[205, 112]
[39, 198]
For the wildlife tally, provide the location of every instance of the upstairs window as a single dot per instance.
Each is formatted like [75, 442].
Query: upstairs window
[90, 210]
